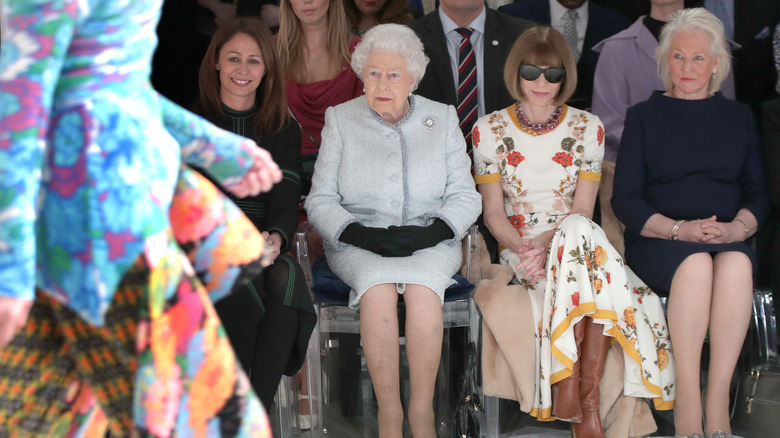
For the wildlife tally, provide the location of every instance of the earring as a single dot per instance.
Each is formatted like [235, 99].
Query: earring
[364, 90]
[714, 74]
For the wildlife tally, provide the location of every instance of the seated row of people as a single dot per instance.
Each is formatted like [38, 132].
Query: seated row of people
[423, 225]
[541, 75]
[538, 167]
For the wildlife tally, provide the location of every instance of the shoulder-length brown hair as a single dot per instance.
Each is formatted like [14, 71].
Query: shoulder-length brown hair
[270, 99]
[394, 11]
[541, 45]
[290, 38]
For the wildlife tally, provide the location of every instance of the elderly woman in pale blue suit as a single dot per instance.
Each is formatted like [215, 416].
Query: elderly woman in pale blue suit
[392, 195]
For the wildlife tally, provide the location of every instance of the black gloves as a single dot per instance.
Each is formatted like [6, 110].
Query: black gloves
[396, 241]
[368, 238]
[414, 237]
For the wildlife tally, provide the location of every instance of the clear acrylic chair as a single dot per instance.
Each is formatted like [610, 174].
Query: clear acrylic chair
[765, 324]
[288, 418]
[338, 328]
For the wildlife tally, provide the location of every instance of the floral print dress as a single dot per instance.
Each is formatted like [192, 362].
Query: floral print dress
[585, 274]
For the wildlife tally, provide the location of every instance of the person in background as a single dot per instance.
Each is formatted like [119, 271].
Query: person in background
[751, 25]
[111, 252]
[626, 75]
[690, 188]
[365, 14]
[467, 27]
[242, 91]
[631, 9]
[265, 10]
[392, 196]
[538, 165]
[315, 47]
[584, 24]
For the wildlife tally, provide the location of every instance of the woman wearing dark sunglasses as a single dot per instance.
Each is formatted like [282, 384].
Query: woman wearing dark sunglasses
[538, 167]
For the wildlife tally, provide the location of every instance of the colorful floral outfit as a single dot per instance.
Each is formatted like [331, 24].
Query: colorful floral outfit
[585, 275]
[122, 329]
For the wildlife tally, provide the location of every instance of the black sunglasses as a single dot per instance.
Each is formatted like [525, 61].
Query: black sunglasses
[531, 72]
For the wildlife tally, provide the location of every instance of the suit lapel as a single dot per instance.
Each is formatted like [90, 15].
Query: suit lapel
[496, 48]
[440, 59]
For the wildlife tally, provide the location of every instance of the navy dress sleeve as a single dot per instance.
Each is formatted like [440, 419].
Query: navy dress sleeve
[627, 195]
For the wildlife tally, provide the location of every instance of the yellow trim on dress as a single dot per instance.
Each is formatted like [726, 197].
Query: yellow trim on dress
[589, 309]
[543, 414]
[487, 178]
[589, 176]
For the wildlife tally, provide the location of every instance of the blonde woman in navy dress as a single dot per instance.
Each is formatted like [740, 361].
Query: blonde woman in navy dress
[689, 186]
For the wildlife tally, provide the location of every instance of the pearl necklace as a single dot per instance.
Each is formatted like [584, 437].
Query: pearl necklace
[538, 128]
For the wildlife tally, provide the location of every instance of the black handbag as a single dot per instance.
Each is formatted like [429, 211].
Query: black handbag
[756, 411]
[469, 406]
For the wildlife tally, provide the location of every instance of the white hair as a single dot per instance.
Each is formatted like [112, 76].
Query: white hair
[688, 20]
[392, 38]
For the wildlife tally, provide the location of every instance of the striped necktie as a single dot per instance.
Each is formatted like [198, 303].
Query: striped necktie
[467, 85]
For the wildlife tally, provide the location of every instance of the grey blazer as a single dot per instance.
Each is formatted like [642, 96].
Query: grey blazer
[379, 174]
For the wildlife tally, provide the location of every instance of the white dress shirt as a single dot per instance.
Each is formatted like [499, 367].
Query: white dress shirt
[453, 48]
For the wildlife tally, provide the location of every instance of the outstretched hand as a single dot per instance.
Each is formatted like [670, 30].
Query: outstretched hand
[263, 174]
[13, 316]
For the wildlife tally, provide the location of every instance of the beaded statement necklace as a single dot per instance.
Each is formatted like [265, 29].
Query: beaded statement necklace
[538, 128]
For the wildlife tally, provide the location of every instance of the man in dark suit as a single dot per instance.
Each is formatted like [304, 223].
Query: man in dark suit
[594, 24]
[493, 37]
[492, 40]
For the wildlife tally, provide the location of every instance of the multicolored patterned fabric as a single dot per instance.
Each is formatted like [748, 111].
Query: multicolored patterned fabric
[89, 152]
[162, 363]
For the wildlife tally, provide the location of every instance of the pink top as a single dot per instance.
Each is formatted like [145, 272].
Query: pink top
[308, 102]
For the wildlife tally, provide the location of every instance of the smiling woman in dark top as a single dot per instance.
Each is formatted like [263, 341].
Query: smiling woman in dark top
[242, 90]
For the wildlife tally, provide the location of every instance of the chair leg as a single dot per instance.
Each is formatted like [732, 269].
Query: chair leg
[566, 393]
[593, 355]
[349, 373]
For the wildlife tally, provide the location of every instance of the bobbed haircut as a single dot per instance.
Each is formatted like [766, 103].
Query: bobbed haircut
[392, 38]
[541, 45]
[270, 98]
[694, 20]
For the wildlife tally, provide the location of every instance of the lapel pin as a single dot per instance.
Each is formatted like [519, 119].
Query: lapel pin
[495, 42]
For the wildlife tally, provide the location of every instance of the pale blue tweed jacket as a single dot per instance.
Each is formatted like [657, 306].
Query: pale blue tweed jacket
[379, 174]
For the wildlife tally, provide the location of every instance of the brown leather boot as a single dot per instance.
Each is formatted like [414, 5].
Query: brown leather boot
[593, 356]
[566, 393]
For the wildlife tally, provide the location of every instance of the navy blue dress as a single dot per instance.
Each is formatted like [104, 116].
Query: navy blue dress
[685, 159]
